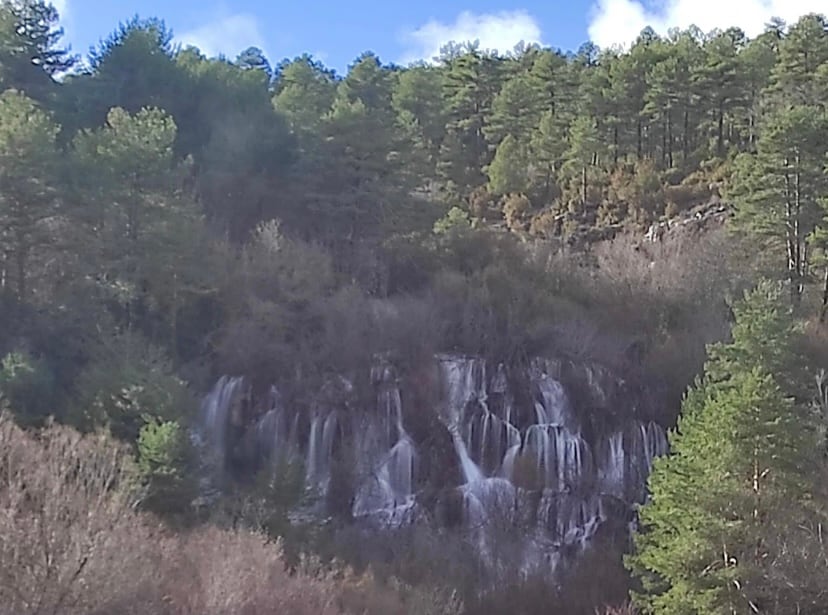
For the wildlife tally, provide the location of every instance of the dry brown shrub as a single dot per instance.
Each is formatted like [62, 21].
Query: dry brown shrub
[217, 571]
[71, 544]
[682, 197]
[516, 210]
[61, 510]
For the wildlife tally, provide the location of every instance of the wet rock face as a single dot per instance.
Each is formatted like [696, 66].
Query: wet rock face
[548, 453]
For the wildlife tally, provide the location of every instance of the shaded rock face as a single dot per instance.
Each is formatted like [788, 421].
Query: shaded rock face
[529, 462]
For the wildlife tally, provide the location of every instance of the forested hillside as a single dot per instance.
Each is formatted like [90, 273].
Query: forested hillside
[166, 218]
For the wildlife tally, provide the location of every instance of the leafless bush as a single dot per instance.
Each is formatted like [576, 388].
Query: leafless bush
[62, 503]
[688, 268]
[217, 571]
[71, 544]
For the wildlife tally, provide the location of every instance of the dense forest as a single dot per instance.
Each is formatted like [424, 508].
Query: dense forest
[167, 218]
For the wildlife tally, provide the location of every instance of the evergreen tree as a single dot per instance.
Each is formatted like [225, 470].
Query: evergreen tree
[165, 468]
[469, 89]
[548, 150]
[133, 68]
[516, 110]
[721, 84]
[421, 114]
[585, 147]
[736, 491]
[28, 200]
[305, 91]
[508, 172]
[777, 192]
[802, 51]
[756, 62]
[30, 51]
[128, 182]
[254, 58]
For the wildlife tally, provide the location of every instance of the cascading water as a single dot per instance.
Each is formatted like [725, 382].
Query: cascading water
[524, 464]
[216, 415]
[388, 459]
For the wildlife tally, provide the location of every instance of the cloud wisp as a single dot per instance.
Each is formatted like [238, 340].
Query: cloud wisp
[619, 22]
[226, 35]
[500, 31]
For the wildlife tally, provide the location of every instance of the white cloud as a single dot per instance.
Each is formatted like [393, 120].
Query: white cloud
[228, 35]
[619, 22]
[500, 31]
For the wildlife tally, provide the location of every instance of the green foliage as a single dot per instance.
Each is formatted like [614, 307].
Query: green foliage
[455, 219]
[744, 458]
[165, 468]
[28, 386]
[255, 59]
[30, 52]
[585, 148]
[127, 381]
[28, 203]
[779, 192]
[305, 91]
[508, 171]
[421, 109]
[272, 304]
[421, 209]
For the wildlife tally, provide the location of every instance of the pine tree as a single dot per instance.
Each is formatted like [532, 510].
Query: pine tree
[585, 148]
[721, 83]
[508, 172]
[777, 192]
[305, 91]
[421, 113]
[756, 61]
[548, 148]
[802, 51]
[254, 58]
[28, 200]
[30, 52]
[165, 468]
[128, 181]
[470, 85]
[516, 110]
[734, 495]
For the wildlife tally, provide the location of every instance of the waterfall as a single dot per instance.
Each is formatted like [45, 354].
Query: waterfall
[464, 382]
[525, 464]
[320, 450]
[277, 432]
[554, 408]
[215, 416]
[388, 457]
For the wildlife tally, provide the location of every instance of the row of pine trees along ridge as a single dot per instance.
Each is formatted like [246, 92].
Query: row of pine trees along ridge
[166, 217]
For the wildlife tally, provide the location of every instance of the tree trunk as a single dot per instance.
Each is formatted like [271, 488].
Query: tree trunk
[720, 132]
[823, 312]
[800, 273]
[790, 238]
[584, 187]
[685, 143]
[639, 139]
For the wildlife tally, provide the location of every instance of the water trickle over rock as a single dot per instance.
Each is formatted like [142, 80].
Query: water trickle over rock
[527, 457]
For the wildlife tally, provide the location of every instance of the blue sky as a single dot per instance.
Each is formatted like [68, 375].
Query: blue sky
[336, 31]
